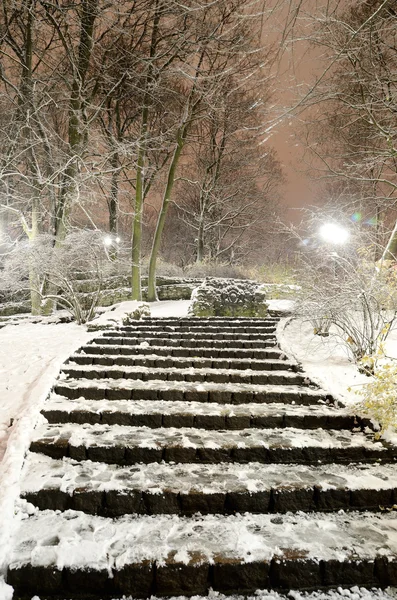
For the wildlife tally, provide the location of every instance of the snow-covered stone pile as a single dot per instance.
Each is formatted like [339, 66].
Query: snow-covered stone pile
[228, 298]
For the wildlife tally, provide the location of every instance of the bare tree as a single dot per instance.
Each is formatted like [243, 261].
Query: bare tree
[233, 180]
[103, 98]
[353, 129]
[226, 42]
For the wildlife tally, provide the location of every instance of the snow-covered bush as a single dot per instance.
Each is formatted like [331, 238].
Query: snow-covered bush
[350, 297]
[54, 273]
[141, 311]
[228, 297]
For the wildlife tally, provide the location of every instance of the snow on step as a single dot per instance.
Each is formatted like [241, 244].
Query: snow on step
[199, 321]
[244, 415]
[42, 472]
[354, 593]
[74, 540]
[190, 374]
[154, 360]
[128, 445]
[176, 350]
[187, 342]
[192, 335]
[57, 402]
[180, 390]
[198, 327]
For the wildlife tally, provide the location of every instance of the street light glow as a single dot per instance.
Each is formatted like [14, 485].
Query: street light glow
[334, 234]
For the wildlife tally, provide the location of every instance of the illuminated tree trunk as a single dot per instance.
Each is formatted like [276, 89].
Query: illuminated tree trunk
[151, 293]
[139, 188]
[34, 279]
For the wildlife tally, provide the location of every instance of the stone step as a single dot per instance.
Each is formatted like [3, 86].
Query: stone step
[187, 343]
[69, 554]
[192, 335]
[246, 376]
[164, 362]
[211, 321]
[223, 393]
[129, 445]
[185, 489]
[197, 329]
[181, 338]
[144, 349]
[201, 415]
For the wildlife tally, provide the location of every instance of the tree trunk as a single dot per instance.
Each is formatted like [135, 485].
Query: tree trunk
[77, 126]
[139, 190]
[77, 132]
[114, 191]
[27, 106]
[137, 231]
[200, 240]
[213, 172]
[68, 195]
[113, 206]
[151, 293]
[34, 278]
[390, 252]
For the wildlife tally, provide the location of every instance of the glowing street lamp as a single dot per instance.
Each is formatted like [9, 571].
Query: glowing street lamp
[334, 233]
[109, 240]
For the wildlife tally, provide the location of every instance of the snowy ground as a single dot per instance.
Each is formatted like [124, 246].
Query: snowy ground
[340, 594]
[167, 308]
[32, 354]
[326, 359]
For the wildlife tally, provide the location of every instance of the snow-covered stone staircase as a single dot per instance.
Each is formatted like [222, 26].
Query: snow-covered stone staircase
[179, 455]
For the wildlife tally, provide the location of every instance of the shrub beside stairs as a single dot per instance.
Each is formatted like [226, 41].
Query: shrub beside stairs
[180, 455]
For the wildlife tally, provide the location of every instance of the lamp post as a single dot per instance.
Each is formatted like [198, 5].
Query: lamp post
[334, 235]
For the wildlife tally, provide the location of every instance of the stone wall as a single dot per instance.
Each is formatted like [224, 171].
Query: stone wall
[116, 289]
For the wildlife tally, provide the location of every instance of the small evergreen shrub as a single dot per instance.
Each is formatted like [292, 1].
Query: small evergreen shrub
[380, 397]
[228, 298]
[140, 312]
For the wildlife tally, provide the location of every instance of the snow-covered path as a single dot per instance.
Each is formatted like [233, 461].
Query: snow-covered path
[31, 356]
[30, 359]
